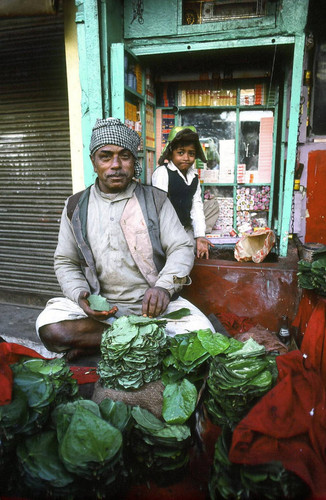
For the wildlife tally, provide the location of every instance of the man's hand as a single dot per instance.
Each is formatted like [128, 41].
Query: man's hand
[202, 248]
[155, 301]
[97, 315]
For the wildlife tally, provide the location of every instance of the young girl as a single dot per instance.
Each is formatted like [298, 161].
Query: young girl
[177, 176]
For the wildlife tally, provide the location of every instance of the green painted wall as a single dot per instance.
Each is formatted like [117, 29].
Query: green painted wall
[285, 17]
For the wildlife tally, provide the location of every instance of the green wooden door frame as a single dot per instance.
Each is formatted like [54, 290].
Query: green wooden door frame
[297, 71]
[88, 35]
[117, 54]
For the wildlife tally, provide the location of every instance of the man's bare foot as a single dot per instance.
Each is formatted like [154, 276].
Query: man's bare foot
[74, 354]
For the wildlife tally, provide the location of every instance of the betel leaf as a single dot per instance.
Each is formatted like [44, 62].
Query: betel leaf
[63, 413]
[37, 387]
[250, 348]
[191, 351]
[15, 414]
[146, 419]
[52, 367]
[179, 402]
[214, 343]
[180, 313]
[143, 320]
[98, 303]
[117, 413]
[40, 459]
[172, 432]
[88, 440]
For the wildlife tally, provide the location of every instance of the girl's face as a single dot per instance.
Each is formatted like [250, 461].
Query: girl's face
[183, 157]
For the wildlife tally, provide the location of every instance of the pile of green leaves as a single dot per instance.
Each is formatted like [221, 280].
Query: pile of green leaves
[40, 465]
[237, 379]
[89, 446]
[244, 482]
[312, 275]
[80, 450]
[132, 351]
[189, 353]
[38, 385]
[158, 446]
[184, 370]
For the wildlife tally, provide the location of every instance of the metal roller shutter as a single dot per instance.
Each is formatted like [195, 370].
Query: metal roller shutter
[35, 172]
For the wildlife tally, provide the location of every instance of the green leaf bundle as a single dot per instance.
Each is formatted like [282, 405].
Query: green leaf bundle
[237, 380]
[40, 462]
[132, 352]
[159, 446]
[188, 353]
[312, 275]
[88, 445]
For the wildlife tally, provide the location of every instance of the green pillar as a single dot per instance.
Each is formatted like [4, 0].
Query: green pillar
[117, 81]
[88, 34]
[292, 141]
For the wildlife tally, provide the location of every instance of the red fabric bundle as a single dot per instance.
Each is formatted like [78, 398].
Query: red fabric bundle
[311, 322]
[288, 424]
[9, 354]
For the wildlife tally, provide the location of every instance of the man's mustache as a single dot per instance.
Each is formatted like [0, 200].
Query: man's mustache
[122, 174]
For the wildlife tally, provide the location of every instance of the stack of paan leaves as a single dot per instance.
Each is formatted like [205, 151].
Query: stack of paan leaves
[80, 451]
[244, 482]
[312, 275]
[132, 350]
[40, 466]
[189, 354]
[117, 413]
[237, 379]
[157, 446]
[37, 386]
[89, 446]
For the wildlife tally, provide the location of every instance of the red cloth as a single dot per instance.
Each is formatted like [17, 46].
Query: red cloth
[84, 374]
[235, 324]
[311, 322]
[11, 353]
[288, 424]
[307, 304]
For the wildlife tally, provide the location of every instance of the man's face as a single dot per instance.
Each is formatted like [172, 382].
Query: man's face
[114, 166]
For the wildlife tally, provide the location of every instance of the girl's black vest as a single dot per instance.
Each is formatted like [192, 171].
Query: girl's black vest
[181, 196]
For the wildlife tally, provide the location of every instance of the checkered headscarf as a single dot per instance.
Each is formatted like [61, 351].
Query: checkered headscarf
[113, 131]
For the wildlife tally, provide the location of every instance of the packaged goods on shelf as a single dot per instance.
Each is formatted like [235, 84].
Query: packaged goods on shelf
[208, 176]
[149, 87]
[247, 97]
[252, 205]
[241, 173]
[260, 94]
[131, 115]
[139, 78]
[227, 157]
[150, 132]
[168, 122]
[224, 223]
[165, 95]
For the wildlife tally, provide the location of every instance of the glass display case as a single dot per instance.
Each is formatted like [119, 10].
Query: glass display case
[237, 128]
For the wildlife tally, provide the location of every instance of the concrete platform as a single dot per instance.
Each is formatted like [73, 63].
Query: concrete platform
[17, 324]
